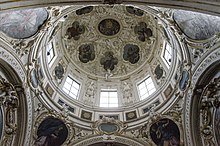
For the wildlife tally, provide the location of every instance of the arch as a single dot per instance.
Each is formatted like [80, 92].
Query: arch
[13, 72]
[207, 70]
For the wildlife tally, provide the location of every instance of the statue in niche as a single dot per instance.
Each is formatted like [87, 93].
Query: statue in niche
[143, 31]
[165, 133]
[75, 31]
[59, 71]
[84, 10]
[86, 53]
[131, 53]
[135, 11]
[127, 94]
[51, 132]
[90, 93]
[109, 61]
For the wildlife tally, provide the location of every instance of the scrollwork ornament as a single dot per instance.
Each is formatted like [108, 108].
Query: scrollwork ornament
[108, 126]
[22, 47]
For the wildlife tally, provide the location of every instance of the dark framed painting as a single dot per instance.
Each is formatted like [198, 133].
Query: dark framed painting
[165, 132]
[51, 132]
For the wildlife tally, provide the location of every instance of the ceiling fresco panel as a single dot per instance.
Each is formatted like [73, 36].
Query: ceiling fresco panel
[22, 23]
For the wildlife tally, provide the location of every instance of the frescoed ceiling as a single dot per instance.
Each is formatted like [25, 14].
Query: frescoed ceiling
[22, 23]
[196, 25]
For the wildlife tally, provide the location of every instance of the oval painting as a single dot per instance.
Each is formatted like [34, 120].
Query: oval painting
[108, 128]
[109, 27]
[184, 80]
[51, 132]
[33, 77]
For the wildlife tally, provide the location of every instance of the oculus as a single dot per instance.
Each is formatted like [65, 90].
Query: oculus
[143, 31]
[109, 27]
[75, 31]
[131, 53]
[86, 53]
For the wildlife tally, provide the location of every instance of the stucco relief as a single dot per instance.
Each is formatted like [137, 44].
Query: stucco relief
[89, 97]
[128, 96]
[106, 33]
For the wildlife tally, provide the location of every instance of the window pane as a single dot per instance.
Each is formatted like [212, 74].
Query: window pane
[113, 100]
[67, 86]
[72, 95]
[67, 91]
[76, 85]
[141, 86]
[113, 105]
[144, 96]
[148, 81]
[147, 89]
[70, 89]
[143, 91]
[104, 94]
[103, 105]
[167, 55]
[69, 80]
[103, 100]
[113, 94]
[50, 52]
[108, 98]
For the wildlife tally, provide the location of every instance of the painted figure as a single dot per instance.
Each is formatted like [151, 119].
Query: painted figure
[165, 133]
[131, 53]
[86, 53]
[51, 132]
